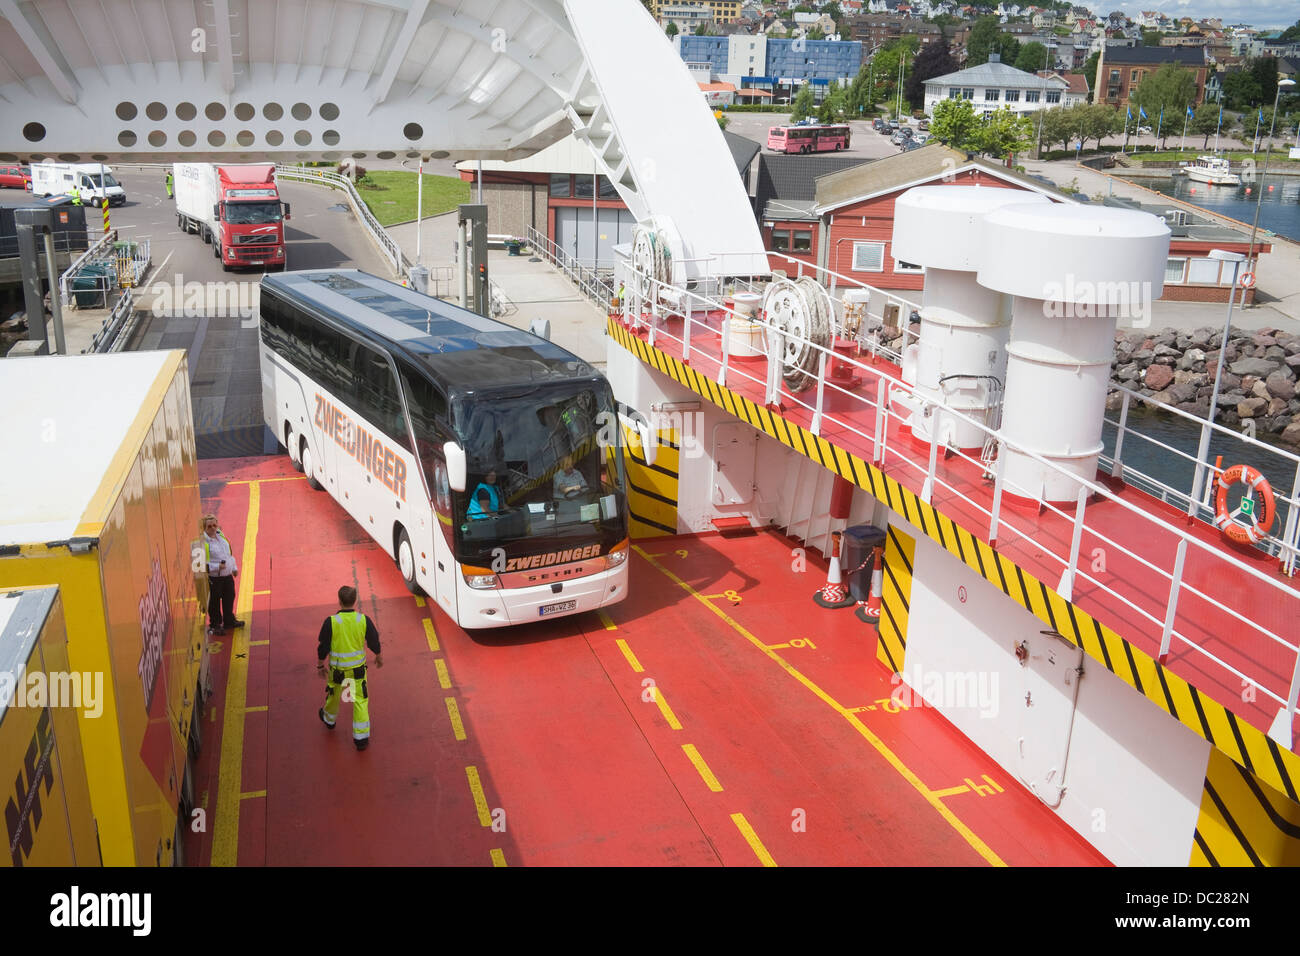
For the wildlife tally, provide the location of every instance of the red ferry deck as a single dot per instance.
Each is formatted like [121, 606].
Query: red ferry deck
[708, 719]
[1031, 540]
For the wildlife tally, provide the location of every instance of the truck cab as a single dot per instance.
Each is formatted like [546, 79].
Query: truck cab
[235, 208]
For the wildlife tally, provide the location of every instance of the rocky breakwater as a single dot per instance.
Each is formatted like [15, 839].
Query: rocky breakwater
[1177, 368]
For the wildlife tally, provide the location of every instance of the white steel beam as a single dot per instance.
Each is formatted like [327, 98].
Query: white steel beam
[401, 46]
[225, 36]
[62, 82]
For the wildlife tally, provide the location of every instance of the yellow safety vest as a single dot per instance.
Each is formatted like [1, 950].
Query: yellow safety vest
[207, 549]
[347, 640]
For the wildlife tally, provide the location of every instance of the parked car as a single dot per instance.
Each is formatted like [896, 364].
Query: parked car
[921, 139]
[910, 143]
[924, 124]
[901, 137]
[14, 176]
[1143, 131]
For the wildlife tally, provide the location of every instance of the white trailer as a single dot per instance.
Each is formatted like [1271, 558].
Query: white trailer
[197, 195]
[94, 182]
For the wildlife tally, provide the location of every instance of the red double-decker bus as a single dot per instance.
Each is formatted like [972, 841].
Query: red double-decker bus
[808, 139]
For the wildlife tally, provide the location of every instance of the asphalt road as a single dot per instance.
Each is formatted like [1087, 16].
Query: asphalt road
[189, 303]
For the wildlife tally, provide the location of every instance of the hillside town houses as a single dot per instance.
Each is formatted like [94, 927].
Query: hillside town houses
[747, 51]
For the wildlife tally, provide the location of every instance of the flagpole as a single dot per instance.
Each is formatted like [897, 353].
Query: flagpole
[1254, 147]
[1160, 125]
[1217, 128]
[1182, 144]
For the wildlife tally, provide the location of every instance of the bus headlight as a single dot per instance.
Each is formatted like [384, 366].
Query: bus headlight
[482, 582]
[618, 555]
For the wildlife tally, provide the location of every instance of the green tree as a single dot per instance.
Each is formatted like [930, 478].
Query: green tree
[934, 59]
[1096, 121]
[1151, 37]
[1170, 89]
[982, 41]
[803, 103]
[955, 123]
[1003, 132]
[1205, 121]
[1008, 48]
[833, 106]
[859, 98]
[1058, 126]
[1292, 32]
[703, 30]
[1089, 71]
[1032, 57]
[814, 34]
[887, 63]
[671, 29]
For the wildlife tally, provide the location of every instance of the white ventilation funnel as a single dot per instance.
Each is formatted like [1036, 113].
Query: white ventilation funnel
[1073, 272]
[960, 357]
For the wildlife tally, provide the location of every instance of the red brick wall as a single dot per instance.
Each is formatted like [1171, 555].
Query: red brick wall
[1201, 293]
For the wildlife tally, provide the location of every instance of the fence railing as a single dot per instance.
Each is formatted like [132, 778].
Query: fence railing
[129, 266]
[111, 337]
[387, 245]
[596, 286]
[875, 398]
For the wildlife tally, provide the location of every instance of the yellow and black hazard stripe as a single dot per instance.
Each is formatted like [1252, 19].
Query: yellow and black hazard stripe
[1244, 822]
[895, 598]
[1246, 745]
[651, 489]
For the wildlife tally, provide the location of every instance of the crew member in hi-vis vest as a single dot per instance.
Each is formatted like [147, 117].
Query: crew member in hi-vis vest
[344, 638]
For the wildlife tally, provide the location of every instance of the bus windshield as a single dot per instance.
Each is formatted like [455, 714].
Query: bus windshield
[544, 469]
[246, 213]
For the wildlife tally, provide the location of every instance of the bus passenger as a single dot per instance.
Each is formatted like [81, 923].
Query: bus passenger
[481, 505]
[569, 482]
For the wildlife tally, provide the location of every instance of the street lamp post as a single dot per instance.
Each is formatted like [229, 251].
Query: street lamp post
[1236, 258]
[1259, 186]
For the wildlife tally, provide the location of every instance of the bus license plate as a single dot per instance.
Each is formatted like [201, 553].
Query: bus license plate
[559, 608]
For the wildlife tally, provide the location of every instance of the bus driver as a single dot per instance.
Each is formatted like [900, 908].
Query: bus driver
[486, 500]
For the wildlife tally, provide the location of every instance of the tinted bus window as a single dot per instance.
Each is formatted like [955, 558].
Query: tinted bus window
[377, 395]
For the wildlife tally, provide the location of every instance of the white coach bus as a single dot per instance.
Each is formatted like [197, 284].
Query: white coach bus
[485, 460]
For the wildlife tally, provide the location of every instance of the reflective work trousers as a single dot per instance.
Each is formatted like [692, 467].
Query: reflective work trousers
[354, 679]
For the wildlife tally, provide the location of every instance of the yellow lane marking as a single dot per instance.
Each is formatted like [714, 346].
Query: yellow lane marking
[444, 679]
[631, 658]
[498, 858]
[480, 801]
[607, 621]
[453, 712]
[260, 593]
[879, 745]
[431, 635]
[255, 709]
[252, 795]
[664, 709]
[225, 828]
[419, 601]
[952, 791]
[709, 779]
[752, 839]
[258, 643]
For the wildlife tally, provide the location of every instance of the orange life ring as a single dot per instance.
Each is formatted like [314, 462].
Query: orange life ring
[1225, 520]
[1247, 280]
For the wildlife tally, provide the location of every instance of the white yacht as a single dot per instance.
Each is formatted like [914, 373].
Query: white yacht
[1214, 170]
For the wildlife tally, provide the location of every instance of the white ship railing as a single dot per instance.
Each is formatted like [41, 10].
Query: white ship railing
[878, 392]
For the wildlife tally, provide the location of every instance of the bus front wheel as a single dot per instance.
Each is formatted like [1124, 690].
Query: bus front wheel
[406, 562]
[308, 466]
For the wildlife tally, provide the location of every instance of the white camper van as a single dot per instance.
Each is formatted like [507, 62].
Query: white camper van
[95, 181]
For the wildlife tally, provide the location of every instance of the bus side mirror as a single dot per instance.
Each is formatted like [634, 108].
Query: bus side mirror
[455, 465]
[286, 210]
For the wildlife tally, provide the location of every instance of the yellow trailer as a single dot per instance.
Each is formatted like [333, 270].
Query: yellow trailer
[47, 814]
[101, 498]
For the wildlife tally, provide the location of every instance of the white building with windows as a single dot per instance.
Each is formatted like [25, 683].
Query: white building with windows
[994, 85]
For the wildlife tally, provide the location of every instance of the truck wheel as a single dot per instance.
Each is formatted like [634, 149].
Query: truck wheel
[308, 466]
[406, 562]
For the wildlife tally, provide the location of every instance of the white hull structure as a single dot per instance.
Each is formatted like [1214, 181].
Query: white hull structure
[1213, 171]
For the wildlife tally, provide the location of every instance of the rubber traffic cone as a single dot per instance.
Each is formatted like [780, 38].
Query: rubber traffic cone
[870, 612]
[834, 593]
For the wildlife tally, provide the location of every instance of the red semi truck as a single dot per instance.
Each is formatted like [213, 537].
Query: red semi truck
[237, 209]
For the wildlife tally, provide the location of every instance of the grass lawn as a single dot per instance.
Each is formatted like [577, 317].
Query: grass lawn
[392, 198]
[1275, 158]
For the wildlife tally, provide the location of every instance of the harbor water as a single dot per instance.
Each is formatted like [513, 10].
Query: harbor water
[1279, 211]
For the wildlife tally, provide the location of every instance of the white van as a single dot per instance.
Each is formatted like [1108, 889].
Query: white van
[94, 180]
